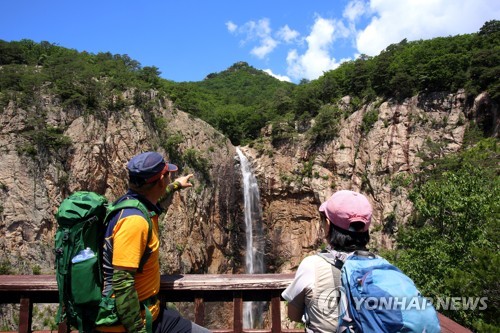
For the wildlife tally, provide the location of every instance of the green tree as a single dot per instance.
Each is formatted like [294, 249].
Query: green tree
[326, 124]
[226, 119]
[306, 100]
[452, 246]
[151, 75]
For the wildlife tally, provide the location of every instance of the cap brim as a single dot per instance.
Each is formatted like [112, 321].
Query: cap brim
[172, 167]
[322, 208]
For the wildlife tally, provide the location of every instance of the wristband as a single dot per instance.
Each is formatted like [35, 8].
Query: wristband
[175, 186]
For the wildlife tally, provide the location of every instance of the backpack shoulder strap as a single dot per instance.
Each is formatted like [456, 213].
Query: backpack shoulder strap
[134, 203]
[338, 259]
[336, 262]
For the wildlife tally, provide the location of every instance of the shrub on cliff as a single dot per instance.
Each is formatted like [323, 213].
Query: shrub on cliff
[451, 248]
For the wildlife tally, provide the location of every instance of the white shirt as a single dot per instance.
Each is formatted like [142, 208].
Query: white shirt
[313, 289]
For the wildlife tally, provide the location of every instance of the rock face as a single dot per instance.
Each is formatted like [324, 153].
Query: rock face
[203, 232]
[380, 161]
[196, 230]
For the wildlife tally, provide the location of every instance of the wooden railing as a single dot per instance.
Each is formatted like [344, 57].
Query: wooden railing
[27, 290]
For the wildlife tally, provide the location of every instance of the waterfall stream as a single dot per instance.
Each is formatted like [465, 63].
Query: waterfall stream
[254, 254]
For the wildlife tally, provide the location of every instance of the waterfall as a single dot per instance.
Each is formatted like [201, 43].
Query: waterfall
[254, 254]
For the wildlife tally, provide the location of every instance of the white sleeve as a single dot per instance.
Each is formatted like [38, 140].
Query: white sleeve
[303, 281]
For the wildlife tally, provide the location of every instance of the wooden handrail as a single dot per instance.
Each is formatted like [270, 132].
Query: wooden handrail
[197, 288]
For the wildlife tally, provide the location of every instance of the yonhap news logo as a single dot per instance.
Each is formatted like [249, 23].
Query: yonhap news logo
[329, 300]
[420, 303]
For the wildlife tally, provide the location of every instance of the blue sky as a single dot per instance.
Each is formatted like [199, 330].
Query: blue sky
[291, 40]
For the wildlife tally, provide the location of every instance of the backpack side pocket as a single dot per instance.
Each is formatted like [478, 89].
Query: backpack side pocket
[84, 284]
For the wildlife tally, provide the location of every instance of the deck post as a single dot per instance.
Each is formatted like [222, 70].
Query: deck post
[63, 327]
[276, 312]
[199, 311]
[238, 312]
[25, 315]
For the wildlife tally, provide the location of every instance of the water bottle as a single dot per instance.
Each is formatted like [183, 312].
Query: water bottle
[83, 255]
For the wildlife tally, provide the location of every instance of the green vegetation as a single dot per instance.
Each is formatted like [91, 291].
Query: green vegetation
[194, 159]
[369, 119]
[400, 180]
[451, 247]
[326, 124]
[238, 101]
[48, 137]
[80, 79]
[241, 100]
[6, 267]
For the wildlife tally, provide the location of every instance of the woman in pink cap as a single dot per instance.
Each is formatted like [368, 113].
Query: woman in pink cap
[312, 296]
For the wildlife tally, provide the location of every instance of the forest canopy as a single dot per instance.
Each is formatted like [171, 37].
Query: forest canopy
[241, 100]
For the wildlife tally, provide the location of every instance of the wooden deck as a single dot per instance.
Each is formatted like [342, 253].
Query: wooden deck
[27, 290]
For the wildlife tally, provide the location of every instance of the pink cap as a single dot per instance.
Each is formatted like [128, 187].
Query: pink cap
[345, 207]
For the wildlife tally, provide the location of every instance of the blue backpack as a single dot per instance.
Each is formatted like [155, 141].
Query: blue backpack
[377, 297]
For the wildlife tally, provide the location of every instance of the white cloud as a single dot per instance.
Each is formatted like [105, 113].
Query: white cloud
[279, 77]
[366, 27]
[288, 35]
[396, 20]
[231, 26]
[316, 59]
[259, 31]
[354, 10]
[267, 45]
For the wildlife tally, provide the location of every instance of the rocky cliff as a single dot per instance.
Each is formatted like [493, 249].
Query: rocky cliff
[379, 159]
[49, 150]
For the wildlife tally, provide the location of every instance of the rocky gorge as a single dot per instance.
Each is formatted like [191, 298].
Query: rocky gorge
[203, 230]
[48, 150]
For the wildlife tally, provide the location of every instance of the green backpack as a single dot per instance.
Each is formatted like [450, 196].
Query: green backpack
[82, 220]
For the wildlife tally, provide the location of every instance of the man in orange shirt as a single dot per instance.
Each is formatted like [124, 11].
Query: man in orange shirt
[136, 283]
